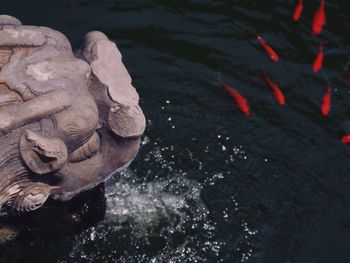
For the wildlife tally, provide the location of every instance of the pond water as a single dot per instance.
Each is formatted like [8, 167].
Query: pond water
[209, 184]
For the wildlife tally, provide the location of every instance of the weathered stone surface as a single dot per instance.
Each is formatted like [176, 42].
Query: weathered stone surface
[8, 96]
[48, 70]
[125, 117]
[59, 115]
[21, 37]
[127, 121]
[42, 154]
[5, 55]
[9, 20]
[13, 116]
[106, 63]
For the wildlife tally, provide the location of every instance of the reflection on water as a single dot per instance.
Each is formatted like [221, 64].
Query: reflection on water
[165, 218]
[55, 220]
[155, 217]
[210, 185]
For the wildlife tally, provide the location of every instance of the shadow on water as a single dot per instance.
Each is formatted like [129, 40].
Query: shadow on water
[55, 220]
[210, 185]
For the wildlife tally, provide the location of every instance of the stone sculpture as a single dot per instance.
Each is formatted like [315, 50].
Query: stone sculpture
[67, 121]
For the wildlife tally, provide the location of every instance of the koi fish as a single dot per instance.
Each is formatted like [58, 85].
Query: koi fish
[241, 101]
[326, 101]
[318, 63]
[272, 54]
[319, 20]
[298, 10]
[345, 139]
[278, 94]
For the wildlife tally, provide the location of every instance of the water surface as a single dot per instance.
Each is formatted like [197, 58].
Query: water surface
[210, 185]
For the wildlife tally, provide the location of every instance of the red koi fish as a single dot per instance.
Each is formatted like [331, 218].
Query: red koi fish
[319, 20]
[318, 63]
[298, 10]
[241, 102]
[278, 94]
[345, 139]
[272, 54]
[326, 101]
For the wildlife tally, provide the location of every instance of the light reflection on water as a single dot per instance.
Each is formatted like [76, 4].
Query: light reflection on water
[164, 215]
[210, 185]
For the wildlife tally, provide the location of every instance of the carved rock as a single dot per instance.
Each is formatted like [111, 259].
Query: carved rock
[60, 114]
[127, 121]
[126, 118]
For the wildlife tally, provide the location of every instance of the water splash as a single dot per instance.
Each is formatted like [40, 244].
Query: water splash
[150, 221]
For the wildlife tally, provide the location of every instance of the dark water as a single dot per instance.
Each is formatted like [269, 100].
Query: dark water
[210, 185]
